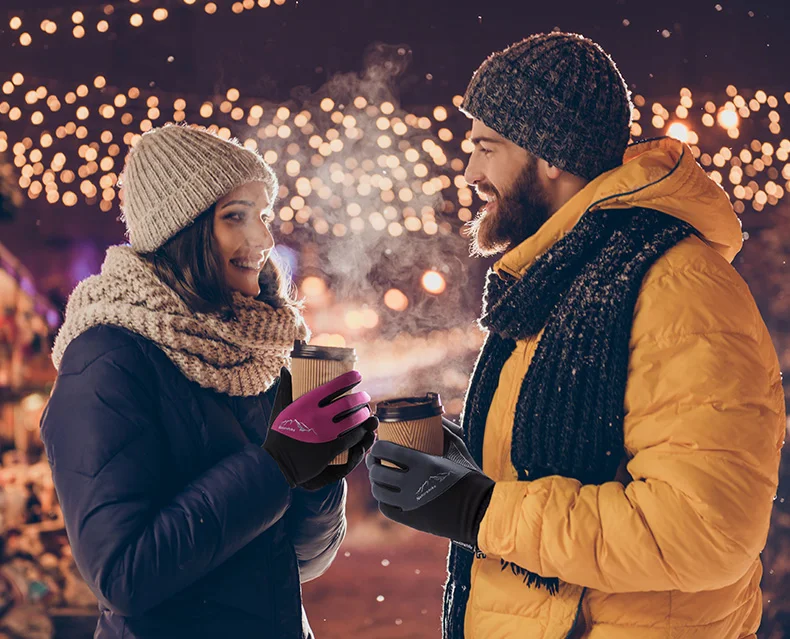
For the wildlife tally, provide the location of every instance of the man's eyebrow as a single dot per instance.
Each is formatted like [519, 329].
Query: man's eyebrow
[483, 139]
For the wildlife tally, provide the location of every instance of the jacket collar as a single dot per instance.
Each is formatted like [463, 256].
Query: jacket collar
[659, 174]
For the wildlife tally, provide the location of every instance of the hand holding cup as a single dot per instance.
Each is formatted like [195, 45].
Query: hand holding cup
[312, 430]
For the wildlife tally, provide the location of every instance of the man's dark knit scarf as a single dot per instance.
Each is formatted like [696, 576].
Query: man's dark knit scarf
[569, 416]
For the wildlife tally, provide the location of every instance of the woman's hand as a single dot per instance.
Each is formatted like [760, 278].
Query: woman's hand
[334, 473]
[305, 435]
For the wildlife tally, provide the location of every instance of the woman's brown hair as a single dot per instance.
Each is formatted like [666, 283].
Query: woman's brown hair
[189, 263]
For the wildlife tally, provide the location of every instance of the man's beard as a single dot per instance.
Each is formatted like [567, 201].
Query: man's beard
[518, 215]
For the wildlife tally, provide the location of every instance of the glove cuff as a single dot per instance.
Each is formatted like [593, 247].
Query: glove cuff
[478, 489]
[281, 463]
[483, 508]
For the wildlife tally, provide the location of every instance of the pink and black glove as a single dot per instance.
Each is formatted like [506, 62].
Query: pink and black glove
[308, 433]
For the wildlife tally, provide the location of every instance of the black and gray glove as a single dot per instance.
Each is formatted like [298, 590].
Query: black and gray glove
[446, 496]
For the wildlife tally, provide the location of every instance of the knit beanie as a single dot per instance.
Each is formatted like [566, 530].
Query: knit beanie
[175, 173]
[559, 96]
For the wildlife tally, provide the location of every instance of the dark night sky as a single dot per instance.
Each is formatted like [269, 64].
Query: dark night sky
[268, 53]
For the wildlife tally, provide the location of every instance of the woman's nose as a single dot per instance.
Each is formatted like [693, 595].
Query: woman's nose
[261, 237]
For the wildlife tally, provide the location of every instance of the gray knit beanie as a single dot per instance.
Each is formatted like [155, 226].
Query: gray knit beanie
[560, 97]
[176, 172]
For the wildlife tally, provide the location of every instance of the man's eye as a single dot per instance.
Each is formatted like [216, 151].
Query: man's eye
[485, 151]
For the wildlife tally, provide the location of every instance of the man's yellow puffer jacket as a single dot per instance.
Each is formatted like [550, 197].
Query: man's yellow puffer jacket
[671, 550]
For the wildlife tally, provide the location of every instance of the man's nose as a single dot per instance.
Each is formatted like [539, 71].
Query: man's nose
[473, 174]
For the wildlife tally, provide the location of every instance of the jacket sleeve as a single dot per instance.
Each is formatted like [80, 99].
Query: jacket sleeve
[704, 427]
[317, 524]
[135, 546]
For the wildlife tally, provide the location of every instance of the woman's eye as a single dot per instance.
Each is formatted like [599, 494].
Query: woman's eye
[233, 216]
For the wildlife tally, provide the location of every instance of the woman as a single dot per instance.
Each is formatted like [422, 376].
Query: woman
[187, 516]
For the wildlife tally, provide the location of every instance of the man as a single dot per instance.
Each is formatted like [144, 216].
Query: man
[626, 409]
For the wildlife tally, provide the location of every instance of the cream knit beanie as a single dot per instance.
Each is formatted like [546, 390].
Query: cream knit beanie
[176, 172]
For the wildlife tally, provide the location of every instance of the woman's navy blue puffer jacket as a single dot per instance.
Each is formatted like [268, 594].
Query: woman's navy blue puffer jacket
[181, 524]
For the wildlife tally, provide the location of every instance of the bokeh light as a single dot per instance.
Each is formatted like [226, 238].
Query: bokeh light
[434, 282]
[679, 131]
[727, 118]
[396, 300]
[313, 286]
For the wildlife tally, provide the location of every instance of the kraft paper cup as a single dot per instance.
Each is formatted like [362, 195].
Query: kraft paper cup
[413, 422]
[313, 366]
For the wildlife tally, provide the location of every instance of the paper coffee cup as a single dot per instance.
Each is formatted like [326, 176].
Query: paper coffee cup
[414, 422]
[314, 366]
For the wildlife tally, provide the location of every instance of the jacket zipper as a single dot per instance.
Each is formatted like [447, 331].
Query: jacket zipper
[578, 612]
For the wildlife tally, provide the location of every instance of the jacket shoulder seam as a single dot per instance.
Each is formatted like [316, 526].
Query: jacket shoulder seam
[671, 337]
[129, 343]
[699, 264]
[98, 357]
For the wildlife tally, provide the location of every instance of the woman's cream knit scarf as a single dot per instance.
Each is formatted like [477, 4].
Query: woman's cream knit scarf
[239, 356]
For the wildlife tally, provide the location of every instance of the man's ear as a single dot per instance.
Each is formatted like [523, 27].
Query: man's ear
[546, 171]
[552, 172]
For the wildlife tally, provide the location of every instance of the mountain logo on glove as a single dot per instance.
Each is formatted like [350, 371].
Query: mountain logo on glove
[295, 426]
[431, 484]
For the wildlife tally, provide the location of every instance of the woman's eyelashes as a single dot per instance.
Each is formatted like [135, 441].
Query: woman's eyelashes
[266, 217]
[234, 216]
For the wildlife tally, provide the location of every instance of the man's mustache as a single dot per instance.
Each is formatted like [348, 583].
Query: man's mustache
[487, 190]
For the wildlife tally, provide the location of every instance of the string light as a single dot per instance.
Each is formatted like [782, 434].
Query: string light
[728, 119]
[679, 131]
[400, 171]
[433, 282]
[48, 19]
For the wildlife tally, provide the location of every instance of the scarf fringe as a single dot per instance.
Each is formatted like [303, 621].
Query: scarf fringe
[552, 584]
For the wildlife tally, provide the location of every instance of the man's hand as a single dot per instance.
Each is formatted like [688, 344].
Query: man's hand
[445, 496]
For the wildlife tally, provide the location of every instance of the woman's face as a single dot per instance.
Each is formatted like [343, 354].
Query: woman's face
[242, 221]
